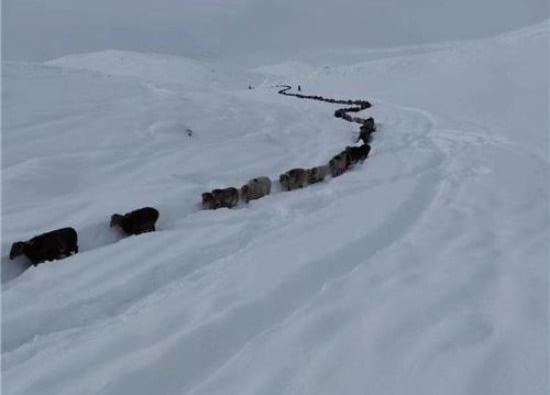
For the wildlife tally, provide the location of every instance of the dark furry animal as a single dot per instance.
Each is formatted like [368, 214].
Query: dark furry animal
[369, 124]
[293, 179]
[347, 117]
[209, 201]
[48, 246]
[367, 128]
[138, 221]
[255, 189]
[339, 113]
[339, 164]
[317, 174]
[358, 154]
[228, 197]
[365, 136]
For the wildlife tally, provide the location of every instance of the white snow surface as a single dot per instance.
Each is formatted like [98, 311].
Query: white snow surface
[199, 75]
[422, 271]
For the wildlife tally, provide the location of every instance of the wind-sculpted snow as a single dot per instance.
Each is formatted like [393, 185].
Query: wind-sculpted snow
[422, 271]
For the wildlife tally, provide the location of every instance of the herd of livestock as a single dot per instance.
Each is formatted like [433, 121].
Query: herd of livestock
[63, 242]
[295, 178]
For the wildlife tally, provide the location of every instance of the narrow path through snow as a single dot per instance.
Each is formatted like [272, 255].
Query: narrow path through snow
[359, 105]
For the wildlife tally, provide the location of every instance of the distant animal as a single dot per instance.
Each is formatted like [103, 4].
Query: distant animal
[138, 221]
[317, 174]
[358, 154]
[364, 104]
[367, 128]
[339, 164]
[369, 124]
[365, 136]
[48, 246]
[293, 179]
[255, 189]
[209, 201]
[228, 197]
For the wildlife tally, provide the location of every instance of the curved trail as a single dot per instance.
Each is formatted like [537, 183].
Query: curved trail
[358, 105]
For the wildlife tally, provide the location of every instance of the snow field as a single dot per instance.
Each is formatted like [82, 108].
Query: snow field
[422, 271]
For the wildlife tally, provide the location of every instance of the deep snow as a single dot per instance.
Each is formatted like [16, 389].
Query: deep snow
[422, 271]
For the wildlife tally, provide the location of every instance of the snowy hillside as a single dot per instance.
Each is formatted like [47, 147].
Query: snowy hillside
[36, 30]
[422, 271]
[156, 67]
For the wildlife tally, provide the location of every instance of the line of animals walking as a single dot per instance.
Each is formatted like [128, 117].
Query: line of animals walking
[61, 243]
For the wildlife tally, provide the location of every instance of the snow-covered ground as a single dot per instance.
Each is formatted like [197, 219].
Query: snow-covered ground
[422, 271]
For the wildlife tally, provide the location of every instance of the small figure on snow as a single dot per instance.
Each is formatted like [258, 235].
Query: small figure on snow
[299, 88]
[189, 132]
